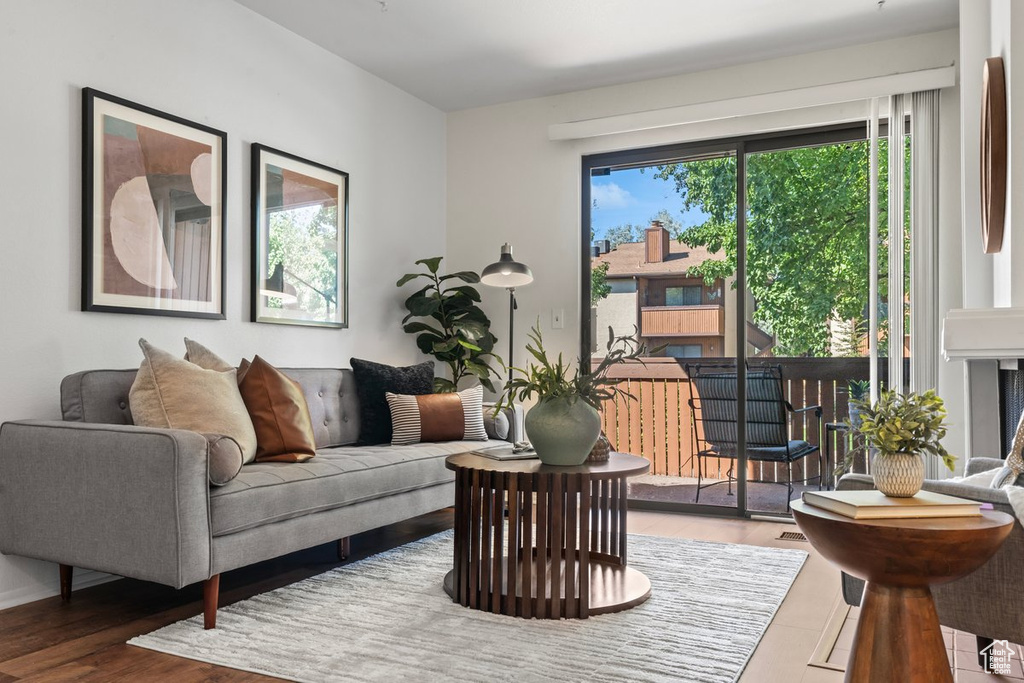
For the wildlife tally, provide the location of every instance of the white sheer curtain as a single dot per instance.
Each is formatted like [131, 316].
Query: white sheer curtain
[924, 250]
[924, 257]
[873, 250]
[897, 236]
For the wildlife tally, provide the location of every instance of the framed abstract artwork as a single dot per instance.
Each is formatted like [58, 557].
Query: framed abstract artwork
[299, 241]
[153, 211]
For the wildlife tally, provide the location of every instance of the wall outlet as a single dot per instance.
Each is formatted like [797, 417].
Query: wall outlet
[557, 318]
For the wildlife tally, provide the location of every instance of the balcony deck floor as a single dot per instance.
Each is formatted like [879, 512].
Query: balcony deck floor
[761, 497]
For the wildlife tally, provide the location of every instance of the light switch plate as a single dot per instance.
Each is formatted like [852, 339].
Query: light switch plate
[557, 318]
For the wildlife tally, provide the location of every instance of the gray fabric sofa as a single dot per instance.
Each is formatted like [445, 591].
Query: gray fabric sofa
[95, 491]
[988, 602]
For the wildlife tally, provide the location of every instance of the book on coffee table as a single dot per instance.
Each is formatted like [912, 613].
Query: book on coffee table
[508, 452]
[877, 505]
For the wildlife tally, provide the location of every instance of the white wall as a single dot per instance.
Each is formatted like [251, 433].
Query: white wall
[217, 63]
[993, 28]
[508, 182]
[974, 49]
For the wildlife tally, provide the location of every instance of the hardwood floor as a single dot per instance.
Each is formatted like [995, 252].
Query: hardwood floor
[84, 640]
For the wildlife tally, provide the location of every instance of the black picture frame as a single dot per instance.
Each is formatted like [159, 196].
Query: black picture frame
[280, 293]
[131, 152]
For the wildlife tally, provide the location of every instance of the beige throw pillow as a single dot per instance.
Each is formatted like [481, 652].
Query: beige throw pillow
[172, 393]
[205, 358]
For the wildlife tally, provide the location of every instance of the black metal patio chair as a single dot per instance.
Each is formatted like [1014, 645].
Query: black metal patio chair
[713, 408]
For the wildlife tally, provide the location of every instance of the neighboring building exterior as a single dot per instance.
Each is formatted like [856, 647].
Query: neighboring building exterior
[652, 290]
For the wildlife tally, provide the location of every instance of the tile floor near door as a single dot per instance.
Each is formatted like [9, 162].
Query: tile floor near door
[85, 640]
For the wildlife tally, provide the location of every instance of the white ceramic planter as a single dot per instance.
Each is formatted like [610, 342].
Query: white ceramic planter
[899, 475]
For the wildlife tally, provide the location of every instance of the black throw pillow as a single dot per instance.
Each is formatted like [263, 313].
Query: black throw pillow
[373, 380]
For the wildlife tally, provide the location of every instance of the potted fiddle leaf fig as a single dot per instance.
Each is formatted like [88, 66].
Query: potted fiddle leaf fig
[450, 326]
[902, 430]
[564, 424]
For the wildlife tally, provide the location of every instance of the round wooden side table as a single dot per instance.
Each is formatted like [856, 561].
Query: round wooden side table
[898, 637]
[565, 551]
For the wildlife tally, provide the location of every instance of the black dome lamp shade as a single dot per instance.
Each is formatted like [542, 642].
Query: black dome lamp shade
[508, 273]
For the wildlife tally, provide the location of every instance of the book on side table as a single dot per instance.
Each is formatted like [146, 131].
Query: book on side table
[877, 505]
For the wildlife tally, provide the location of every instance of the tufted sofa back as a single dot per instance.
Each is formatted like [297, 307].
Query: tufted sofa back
[102, 396]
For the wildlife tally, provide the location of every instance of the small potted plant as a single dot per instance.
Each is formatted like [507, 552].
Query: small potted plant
[858, 390]
[564, 424]
[902, 429]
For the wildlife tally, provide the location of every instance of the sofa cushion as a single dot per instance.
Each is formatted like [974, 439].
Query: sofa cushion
[205, 358]
[268, 492]
[373, 380]
[455, 416]
[496, 424]
[102, 396]
[225, 458]
[280, 415]
[172, 393]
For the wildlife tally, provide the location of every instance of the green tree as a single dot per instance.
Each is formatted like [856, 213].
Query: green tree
[630, 232]
[624, 234]
[599, 287]
[807, 235]
[668, 221]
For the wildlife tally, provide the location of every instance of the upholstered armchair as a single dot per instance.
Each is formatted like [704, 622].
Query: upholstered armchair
[987, 603]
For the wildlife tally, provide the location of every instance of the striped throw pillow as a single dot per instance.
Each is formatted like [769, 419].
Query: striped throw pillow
[437, 417]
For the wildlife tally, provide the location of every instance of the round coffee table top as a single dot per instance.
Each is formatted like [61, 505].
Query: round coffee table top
[617, 465]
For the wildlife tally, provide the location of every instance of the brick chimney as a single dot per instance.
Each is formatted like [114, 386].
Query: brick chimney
[657, 241]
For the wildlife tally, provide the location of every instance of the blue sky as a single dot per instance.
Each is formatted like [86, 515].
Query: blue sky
[629, 196]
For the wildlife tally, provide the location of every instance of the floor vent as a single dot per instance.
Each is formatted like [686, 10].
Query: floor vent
[792, 536]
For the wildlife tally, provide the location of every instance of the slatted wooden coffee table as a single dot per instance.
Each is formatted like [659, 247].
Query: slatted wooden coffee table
[561, 550]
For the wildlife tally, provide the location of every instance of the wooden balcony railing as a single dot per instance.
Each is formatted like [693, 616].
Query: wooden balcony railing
[682, 321]
[658, 425]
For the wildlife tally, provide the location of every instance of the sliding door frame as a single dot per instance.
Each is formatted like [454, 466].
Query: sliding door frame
[691, 151]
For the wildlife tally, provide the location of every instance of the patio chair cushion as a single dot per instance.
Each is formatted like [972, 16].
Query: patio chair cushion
[797, 449]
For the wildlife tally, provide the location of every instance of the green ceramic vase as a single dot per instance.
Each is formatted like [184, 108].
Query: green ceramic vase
[563, 432]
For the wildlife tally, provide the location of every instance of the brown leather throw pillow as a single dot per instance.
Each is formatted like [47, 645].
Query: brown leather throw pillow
[279, 413]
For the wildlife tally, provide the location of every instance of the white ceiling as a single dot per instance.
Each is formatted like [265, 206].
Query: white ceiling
[458, 54]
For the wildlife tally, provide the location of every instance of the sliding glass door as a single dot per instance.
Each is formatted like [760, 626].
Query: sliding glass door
[680, 300]
[743, 266]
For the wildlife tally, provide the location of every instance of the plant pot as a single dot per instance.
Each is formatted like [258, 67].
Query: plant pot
[563, 432]
[899, 475]
[854, 413]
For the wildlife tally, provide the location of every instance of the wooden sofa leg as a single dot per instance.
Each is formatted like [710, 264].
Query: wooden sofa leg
[344, 548]
[211, 595]
[66, 573]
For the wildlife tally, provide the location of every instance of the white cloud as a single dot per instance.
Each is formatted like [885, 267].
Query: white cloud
[610, 196]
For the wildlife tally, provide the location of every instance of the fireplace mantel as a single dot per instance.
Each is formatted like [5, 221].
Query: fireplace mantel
[985, 339]
[983, 334]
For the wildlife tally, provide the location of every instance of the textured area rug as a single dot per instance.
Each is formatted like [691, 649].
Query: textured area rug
[387, 618]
